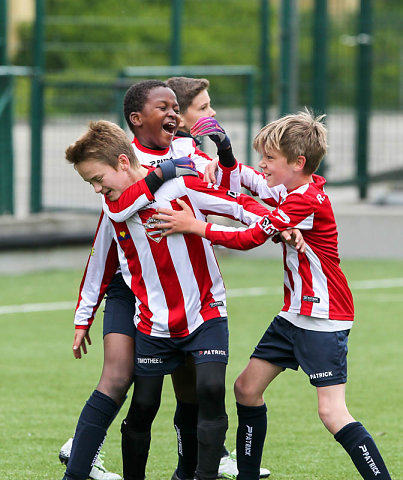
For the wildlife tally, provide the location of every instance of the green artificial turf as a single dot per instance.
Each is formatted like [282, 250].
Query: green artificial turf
[43, 389]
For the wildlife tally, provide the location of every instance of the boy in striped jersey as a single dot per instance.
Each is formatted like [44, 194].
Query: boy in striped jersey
[152, 113]
[312, 328]
[177, 284]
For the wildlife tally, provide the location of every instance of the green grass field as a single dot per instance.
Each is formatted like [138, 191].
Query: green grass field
[43, 388]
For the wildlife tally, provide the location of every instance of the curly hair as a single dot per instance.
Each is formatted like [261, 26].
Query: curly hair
[136, 97]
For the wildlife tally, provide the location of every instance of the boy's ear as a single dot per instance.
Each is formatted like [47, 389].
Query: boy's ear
[300, 163]
[181, 123]
[124, 161]
[135, 119]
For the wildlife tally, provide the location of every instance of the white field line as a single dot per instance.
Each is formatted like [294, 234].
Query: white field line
[231, 293]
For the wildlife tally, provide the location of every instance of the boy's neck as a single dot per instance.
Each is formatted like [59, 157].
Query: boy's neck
[137, 174]
[298, 182]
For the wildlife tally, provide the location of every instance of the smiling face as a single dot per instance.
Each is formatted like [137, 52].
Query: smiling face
[200, 107]
[278, 171]
[157, 123]
[105, 179]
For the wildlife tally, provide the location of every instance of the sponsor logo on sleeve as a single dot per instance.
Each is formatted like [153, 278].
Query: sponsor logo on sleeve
[308, 298]
[232, 194]
[267, 226]
[220, 303]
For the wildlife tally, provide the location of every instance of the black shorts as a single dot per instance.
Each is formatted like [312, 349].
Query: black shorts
[161, 356]
[321, 355]
[120, 307]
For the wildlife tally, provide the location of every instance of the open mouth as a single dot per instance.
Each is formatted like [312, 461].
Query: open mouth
[169, 128]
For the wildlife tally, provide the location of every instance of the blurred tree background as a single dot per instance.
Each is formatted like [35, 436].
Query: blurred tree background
[94, 40]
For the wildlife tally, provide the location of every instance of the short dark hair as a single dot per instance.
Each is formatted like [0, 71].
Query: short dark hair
[136, 97]
[186, 89]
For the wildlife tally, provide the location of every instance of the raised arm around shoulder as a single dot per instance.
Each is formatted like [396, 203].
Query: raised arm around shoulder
[130, 201]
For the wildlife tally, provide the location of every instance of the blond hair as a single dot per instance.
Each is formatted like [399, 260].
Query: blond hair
[103, 141]
[294, 135]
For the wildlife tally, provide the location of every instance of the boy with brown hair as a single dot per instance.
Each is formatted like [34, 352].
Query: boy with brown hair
[194, 101]
[312, 328]
[177, 284]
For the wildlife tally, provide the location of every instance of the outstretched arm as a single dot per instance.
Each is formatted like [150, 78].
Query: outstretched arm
[180, 221]
[183, 221]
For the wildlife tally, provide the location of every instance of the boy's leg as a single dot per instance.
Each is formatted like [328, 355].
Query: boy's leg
[102, 406]
[185, 419]
[213, 422]
[96, 416]
[136, 428]
[353, 437]
[252, 420]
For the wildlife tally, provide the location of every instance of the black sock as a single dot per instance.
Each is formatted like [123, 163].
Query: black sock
[135, 447]
[361, 447]
[251, 433]
[211, 436]
[185, 422]
[95, 419]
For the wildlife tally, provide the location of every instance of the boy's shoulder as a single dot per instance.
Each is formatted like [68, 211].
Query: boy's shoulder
[314, 189]
[183, 144]
[309, 197]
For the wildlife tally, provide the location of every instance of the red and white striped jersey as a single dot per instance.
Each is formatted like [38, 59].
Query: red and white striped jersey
[89, 300]
[314, 284]
[176, 280]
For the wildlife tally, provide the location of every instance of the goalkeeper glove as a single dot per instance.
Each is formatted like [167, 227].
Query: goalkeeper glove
[178, 167]
[209, 126]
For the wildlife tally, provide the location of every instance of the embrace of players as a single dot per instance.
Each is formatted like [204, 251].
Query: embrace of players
[165, 310]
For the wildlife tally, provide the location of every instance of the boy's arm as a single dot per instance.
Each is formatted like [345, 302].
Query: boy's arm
[209, 126]
[216, 200]
[141, 193]
[295, 213]
[183, 221]
[101, 266]
[228, 172]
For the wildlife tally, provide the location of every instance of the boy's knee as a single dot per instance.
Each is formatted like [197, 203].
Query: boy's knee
[245, 393]
[116, 385]
[211, 390]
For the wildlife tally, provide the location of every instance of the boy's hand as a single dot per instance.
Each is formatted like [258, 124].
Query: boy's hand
[294, 237]
[210, 127]
[179, 221]
[80, 337]
[210, 171]
[178, 167]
